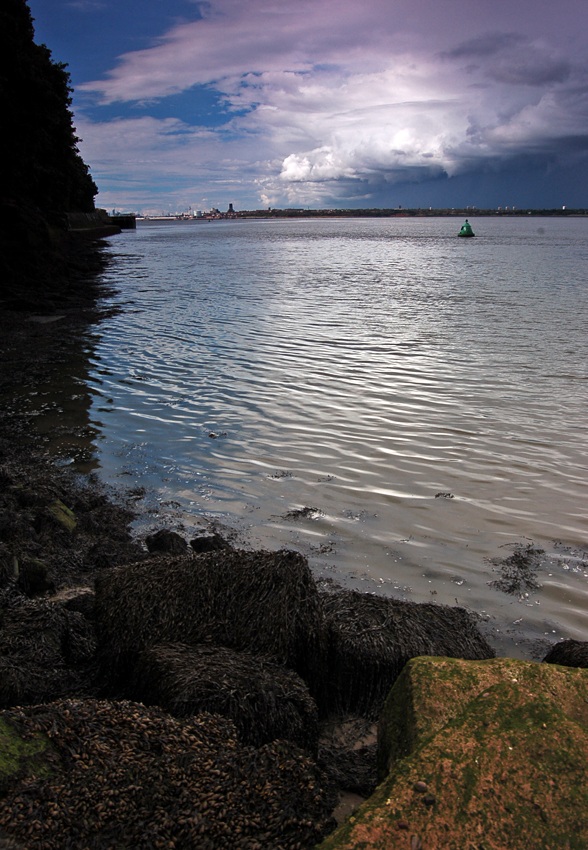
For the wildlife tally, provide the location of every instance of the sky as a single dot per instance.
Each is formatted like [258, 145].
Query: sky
[184, 105]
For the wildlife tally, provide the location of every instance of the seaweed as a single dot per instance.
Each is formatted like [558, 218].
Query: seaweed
[519, 570]
[264, 700]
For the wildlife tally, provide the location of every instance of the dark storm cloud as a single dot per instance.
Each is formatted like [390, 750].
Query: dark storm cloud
[483, 45]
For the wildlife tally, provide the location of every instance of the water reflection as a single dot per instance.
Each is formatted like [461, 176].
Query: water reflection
[48, 386]
[362, 368]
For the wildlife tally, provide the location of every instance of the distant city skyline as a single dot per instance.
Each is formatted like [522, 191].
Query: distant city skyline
[328, 104]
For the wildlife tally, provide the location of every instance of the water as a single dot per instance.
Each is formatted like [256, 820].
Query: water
[400, 405]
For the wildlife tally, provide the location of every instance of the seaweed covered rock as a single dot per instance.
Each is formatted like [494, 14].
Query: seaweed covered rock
[46, 651]
[165, 540]
[99, 775]
[264, 701]
[209, 543]
[486, 754]
[265, 603]
[33, 578]
[569, 653]
[370, 639]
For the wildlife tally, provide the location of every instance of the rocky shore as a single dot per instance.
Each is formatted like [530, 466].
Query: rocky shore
[191, 695]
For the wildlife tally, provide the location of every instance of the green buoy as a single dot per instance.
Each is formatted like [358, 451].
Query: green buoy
[466, 229]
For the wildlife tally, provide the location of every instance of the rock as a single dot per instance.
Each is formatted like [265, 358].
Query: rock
[263, 700]
[265, 603]
[348, 754]
[209, 543]
[370, 639]
[569, 653]
[502, 746]
[8, 565]
[62, 514]
[87, 773]
[33, 577]
[21, 756]
[166, 541]
[81, 600]
[45, 651]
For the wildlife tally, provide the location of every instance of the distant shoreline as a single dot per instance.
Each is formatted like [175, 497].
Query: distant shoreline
[400, 212]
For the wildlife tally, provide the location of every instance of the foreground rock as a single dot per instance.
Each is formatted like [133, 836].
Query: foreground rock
[94, 774]
[348, 647]
[263, 700]
[487, 754]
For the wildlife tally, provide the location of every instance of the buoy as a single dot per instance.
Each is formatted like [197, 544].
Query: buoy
[466, 229]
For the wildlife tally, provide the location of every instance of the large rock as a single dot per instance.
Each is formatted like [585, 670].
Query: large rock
[46, 651]
[103, 775]
[370, 639]
[165, 540]
[488, 754]
[264, 603]
[264, 700]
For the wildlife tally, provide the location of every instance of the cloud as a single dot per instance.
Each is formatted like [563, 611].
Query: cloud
[514, 59]
[144, 161]
[87, 5]
[486, 45]
[329, 99]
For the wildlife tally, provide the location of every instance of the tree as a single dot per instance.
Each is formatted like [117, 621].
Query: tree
[41, 164]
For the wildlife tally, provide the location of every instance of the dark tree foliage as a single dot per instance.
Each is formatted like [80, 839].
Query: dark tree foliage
[42, 176]
[41, 163]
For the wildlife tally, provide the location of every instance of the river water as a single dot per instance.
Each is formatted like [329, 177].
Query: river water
[402, 406]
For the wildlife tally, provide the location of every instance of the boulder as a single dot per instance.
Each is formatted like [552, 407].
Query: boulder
[46, 651]
[33, 577]
[90, 773]
[264, 603]
[370, 639]
[166, 541]
[62, 515]
[478, 754]
[209, 543]
[264, 701]
[569, 653]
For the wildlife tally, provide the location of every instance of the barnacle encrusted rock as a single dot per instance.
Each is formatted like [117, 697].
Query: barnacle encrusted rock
[97, 774]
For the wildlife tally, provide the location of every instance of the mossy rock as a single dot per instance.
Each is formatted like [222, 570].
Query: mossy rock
[499, 750]
[63, 515]
[21, 756]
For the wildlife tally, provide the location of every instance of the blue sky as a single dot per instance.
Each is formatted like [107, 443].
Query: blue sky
[327, 103]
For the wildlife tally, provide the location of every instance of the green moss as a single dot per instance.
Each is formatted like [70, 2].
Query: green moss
[501, 745]
[396, 732]
[469, 778]
[63, 515]
[21, 756]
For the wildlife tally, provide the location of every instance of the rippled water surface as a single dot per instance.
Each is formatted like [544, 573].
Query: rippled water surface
[401, 405]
